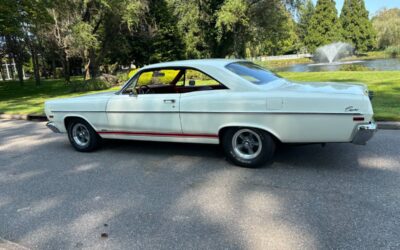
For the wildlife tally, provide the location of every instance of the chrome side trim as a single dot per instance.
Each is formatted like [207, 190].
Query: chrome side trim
[52, 127]
[212, 112]
[364, 133]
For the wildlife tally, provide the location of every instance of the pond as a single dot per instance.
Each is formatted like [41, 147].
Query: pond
[391, 64]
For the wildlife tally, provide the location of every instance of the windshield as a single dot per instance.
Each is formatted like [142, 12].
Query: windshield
[252, 72]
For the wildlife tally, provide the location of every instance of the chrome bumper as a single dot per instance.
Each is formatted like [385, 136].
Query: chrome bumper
[364, 133]
[52, 127]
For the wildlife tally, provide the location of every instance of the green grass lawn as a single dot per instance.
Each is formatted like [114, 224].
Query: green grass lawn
[29, 99]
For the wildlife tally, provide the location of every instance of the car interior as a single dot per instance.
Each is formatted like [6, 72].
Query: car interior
[163, 81]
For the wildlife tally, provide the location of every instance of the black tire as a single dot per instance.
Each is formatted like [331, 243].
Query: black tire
[238, 155]
[93, 142]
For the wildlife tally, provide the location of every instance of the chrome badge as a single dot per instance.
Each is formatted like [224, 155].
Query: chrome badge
[350, 109]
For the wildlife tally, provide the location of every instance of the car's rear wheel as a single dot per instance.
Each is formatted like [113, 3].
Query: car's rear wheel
[82, 136]
[248, 147]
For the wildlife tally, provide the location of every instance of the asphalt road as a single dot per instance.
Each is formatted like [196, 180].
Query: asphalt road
[184, 196]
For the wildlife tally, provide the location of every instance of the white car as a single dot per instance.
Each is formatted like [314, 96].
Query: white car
[235, 103]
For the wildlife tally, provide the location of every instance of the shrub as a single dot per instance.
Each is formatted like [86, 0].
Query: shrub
[393, 51]
[90, 85]
[123, 76]
[354, 67]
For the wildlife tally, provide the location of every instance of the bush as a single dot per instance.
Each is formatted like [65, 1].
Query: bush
[90, 85]
[59, 73]
[393, 51]
[354, 67]
[123, 76]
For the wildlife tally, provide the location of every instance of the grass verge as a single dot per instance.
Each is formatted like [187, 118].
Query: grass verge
[29, 99]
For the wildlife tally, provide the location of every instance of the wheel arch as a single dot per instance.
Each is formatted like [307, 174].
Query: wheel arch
[273, 133]
[70, 117]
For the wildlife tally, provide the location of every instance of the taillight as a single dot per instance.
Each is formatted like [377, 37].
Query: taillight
[358, 118]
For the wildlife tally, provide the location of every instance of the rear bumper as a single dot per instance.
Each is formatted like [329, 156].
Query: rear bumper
[364, 133]
[53, 127]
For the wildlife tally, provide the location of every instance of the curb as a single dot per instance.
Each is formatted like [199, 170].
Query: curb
[42, 118]
[31, 117]
[389, 125]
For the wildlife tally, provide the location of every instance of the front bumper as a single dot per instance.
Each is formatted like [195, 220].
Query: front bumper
[364, 133]
[53, 127]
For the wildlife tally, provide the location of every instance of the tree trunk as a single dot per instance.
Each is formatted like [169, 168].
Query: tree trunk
[35, 63]
[65, 65]
[87, 71]
[94, 68]
[3, 77]
[53, 67]
[20, 71]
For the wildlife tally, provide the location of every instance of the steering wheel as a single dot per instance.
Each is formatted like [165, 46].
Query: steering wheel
[144, 89]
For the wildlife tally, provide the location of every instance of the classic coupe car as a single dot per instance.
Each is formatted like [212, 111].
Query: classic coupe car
[235, 103]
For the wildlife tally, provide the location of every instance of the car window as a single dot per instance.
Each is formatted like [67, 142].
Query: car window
[197, 79]
[159, 77]
[252, 72]
[157, 81]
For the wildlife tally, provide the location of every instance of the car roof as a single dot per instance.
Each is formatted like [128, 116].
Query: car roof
[212, 67]
[218, 62]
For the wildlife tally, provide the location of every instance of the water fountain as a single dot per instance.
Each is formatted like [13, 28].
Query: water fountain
[331, 54]
[328, 58]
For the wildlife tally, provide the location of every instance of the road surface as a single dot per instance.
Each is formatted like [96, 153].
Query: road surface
[142, 195]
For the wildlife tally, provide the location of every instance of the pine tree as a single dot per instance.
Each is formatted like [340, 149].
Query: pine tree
[357, 28]
[324, 27]
[306, 11]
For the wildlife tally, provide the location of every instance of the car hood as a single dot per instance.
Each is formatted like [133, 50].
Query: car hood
[91, 102]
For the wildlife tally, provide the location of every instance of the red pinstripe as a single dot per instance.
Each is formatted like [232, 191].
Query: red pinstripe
[157, 134]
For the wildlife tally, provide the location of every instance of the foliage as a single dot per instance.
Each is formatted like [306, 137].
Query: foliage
[353, 67]
[324, 27]
[235, 28]
[306, 11]
[357, 28]
[20, 22]
[89, 85]
[393, 51]
[387, 26]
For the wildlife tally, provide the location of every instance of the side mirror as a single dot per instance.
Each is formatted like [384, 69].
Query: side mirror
[132, 93]
[192, 82]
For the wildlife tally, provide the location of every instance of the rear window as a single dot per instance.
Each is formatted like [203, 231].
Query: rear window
[252, 72]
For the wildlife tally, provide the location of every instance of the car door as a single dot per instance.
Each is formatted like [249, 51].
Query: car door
[154, 114]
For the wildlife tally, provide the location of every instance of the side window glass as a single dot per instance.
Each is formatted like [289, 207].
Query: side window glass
[158, 77]
[196, 78]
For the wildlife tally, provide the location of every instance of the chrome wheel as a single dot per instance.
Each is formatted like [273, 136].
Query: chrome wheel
[246, 144]
[80, 134]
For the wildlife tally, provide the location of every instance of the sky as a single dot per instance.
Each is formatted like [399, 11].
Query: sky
[372, 5]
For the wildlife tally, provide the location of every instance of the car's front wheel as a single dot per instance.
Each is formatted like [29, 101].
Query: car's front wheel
[248, 147]
[82, 136]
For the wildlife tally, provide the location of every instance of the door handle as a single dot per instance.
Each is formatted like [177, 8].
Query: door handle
[169, 101]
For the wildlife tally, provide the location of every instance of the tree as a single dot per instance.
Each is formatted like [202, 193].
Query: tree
[306, 11]
[324, 27]
[357, 28]
[197, 21]
[218, 28]
[11, 21]
[387, 26]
